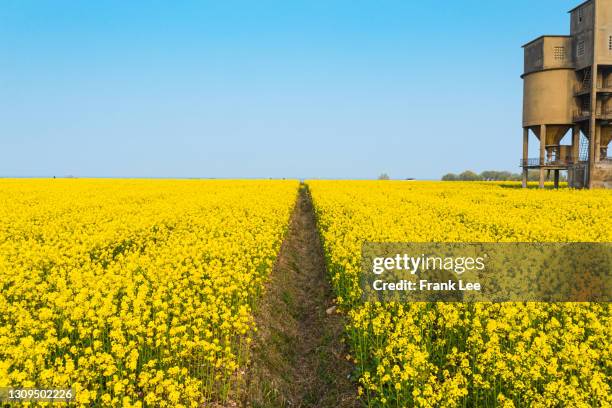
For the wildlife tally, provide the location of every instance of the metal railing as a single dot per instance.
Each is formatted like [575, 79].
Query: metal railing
[584, 113]
[537, 162]
[586, 87]
[580, 114]
[547, 161]
[582, 87]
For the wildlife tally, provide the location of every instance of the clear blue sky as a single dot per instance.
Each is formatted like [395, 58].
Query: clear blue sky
[330, 89]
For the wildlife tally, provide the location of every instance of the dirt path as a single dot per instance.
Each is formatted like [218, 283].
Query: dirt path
[298, 356]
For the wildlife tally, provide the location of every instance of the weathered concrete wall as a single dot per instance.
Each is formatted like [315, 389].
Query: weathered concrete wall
[582, 24]
[602, 175]
[548, 98]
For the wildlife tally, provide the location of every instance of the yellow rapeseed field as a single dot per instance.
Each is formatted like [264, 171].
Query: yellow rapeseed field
[467, 355]
[134, 292]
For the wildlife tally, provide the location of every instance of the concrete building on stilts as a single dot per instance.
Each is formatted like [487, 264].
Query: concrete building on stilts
[567, 86]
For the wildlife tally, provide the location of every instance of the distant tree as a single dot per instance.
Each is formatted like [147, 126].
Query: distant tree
[493, 175]
[384, 176]
[469, 175]
[488, 175]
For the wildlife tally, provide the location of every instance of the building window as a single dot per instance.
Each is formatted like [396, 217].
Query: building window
[610, 43]
[580, 51]
[560, 54]
[580, 15]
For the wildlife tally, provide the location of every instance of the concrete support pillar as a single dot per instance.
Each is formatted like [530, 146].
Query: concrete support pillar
[597, 143]
[593, 118]
[557, 179]
[525, 155]
[542, 153]
[591, 157]
[576, 143]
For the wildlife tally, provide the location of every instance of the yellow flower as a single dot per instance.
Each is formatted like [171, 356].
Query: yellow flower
[539, 354]
[133, 280]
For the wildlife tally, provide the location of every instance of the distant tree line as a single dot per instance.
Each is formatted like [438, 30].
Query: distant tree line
[493, 175]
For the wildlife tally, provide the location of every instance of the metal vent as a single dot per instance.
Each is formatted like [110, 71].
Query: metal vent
[580, 48]
[560, 53]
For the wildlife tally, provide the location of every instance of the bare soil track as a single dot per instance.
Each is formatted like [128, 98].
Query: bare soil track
[298, 356]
